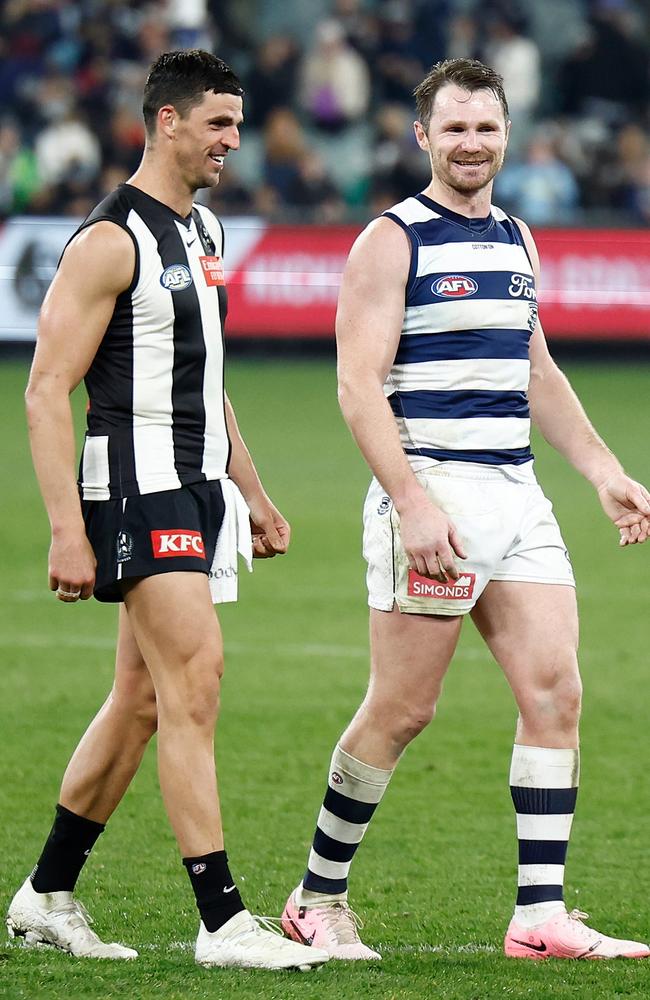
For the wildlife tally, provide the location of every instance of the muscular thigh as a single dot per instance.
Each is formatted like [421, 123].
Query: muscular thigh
[410, 654]
[173, 621]
[531, 630]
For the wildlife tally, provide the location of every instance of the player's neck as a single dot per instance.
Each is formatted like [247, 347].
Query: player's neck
[473, 205]
[163, 185]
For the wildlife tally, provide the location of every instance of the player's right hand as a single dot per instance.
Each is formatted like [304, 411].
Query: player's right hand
[71, 567]
[430, 540]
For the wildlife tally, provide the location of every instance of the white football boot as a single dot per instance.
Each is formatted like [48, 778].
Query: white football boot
[242, 943]
[55, 918]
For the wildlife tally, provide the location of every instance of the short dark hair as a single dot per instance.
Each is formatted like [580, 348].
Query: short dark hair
[470, 74]
[182, 78]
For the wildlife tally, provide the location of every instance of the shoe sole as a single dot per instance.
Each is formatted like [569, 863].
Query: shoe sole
[269, 968]
[536, 957]
[35, 939]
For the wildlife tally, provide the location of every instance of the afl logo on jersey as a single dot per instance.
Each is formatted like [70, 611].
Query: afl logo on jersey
[454, 286]
[176, 277]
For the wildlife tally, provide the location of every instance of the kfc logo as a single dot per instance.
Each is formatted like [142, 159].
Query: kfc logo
[451, 590]
[170, 543]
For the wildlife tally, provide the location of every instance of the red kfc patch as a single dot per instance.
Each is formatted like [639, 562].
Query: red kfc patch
[451, 590]
[213, 270]
[177, 542]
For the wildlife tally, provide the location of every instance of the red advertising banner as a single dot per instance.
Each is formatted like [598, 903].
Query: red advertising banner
[595, 283]
[283, 281]
[287, 284]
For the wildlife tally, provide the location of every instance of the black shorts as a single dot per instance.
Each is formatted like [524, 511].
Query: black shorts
[170, 532]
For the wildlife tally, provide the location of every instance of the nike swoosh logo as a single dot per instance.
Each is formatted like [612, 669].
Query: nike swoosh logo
[533, 947]
[190, 243]
[229, 888]
[305, 940]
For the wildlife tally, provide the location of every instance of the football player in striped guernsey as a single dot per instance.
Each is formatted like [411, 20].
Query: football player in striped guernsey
[442, 367]
[166, 487]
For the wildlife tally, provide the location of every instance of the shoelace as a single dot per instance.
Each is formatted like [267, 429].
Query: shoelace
[344, 923]
[271, 924]
[578, 916]
[74, 909]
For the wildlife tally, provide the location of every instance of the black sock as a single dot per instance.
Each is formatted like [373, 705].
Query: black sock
[66, 851]
[217, 896]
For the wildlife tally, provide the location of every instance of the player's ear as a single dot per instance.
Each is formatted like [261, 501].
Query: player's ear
[167, 117]
[421, 136]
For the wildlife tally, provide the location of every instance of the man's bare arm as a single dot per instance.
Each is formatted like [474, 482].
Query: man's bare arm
[368, 327]
[96, 267]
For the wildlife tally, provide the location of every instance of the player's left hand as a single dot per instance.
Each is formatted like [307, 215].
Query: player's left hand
[627, 504]
[270, 530]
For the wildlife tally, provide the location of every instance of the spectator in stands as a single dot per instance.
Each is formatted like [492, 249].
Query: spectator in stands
[360, 26]
[284, 147]
[628, 177]
[541, 188]
[272, 78]
[18, 172]
[607, 74]
[516, 57]
[314, 193]
[125, 138]
[398, 167]
[57, 62]
[462, 37]
[232, 197]
[334, 80]
[399, 66]
[188, 24]
[65, 146]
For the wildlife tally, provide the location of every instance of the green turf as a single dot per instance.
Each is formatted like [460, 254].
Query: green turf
[434, 879]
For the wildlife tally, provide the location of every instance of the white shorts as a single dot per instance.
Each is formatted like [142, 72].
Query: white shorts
[506, 525]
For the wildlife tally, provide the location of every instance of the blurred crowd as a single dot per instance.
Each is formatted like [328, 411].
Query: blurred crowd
[328, 136]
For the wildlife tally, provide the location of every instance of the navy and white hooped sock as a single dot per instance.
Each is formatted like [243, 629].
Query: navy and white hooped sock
[544, 787]
[354, 792]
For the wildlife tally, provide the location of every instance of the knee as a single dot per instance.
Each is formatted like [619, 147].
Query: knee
[137, 699]
[194, 699]
[555, 699]
[146, 713]
[402, 720]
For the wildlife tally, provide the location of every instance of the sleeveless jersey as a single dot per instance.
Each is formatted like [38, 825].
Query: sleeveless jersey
[156, 418]
[458, 385]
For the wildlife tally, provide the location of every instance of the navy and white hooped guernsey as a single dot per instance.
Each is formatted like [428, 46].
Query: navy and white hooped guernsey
[458, 386]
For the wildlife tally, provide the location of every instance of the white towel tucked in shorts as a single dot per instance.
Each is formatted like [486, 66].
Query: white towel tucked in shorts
[234, 537]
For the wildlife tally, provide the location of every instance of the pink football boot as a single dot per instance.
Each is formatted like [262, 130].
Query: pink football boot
[564, 935]
[333, 927]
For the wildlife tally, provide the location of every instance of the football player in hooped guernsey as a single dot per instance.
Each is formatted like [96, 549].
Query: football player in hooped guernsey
[169, 494]
[442, 367]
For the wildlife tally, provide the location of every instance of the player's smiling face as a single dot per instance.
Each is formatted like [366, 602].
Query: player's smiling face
[466, 139]
[205, 136]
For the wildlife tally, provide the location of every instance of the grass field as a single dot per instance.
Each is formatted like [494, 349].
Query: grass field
[434, 880]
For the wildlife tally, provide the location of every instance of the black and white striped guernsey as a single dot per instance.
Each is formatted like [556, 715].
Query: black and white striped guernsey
[156, 418]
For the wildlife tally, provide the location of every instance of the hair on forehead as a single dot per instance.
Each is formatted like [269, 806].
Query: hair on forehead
[469, 74]
[182, 79]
